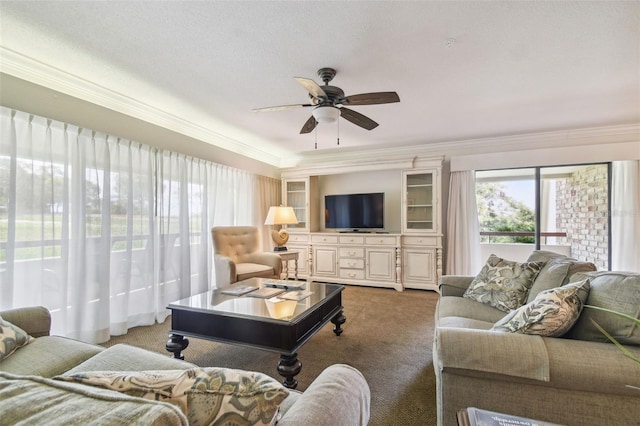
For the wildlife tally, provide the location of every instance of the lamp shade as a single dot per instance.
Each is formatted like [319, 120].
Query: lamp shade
[280, 215]
[326, 114]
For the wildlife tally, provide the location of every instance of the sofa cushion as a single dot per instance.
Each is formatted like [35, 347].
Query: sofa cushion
[12, 337]
[453, 306]
[503, 284]
[205, 395]
[618, 291]
[556, 272]
[122, 357]
[552, 313]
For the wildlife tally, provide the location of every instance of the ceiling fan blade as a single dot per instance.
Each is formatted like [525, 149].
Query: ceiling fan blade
[311, 87]
[309, 125]
[278, 108]
[358, 119]
[372, 98]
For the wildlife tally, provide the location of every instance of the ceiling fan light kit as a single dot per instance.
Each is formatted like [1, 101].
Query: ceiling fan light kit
[327, 98]
[326, 114]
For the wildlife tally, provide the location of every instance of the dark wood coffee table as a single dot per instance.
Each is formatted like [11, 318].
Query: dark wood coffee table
[256, 322]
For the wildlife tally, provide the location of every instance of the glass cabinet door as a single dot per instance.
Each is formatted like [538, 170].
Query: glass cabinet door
[296, 197]
[420, 211]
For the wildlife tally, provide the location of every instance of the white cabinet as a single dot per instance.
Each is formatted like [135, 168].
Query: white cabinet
[298, 194]
[421, 201]
[300, 243]
[325, 264]
[421, 261]
[357, 259]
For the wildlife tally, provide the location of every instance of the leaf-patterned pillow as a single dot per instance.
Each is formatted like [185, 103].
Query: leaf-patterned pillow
[552, 313]
[503, 284]
[207, 396]
[12, 337]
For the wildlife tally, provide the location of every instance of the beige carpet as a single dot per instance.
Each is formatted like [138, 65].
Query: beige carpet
[388, 337]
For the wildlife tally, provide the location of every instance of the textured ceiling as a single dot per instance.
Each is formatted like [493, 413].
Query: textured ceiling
[462, 70]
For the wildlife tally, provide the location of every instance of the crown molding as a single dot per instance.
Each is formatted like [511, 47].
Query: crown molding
[521, 142]
[21, 66]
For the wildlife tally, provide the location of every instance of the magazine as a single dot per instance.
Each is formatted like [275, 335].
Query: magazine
[296, 295]
[476, 417]
[238, 290]
[284, 283]
[265, 292]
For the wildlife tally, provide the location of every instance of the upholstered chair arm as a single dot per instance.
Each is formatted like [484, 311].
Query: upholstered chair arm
[35, 320]
[340, 395]
[454, 285]
[269, 259]
[225, 270]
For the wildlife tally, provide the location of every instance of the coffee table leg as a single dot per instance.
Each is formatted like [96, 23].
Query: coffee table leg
[288, 367]
[338, 320]
[177, 344]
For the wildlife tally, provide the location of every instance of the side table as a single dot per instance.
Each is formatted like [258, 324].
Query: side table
[286, 256]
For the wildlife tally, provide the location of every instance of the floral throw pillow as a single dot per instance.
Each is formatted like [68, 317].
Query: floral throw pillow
[503, 284]
[207, 396]
[12, 337]
[552, 313]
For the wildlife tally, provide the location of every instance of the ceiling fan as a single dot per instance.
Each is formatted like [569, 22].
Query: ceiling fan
[329, 102]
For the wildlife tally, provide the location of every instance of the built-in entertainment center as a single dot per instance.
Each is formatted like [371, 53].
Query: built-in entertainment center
[374, 223]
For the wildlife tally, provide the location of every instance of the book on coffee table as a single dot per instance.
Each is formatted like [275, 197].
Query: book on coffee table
[283, 283]
[296, 295]
[265, 292]
[238, 290]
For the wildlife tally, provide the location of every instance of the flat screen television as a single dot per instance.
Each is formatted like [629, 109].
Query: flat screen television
[354, 211]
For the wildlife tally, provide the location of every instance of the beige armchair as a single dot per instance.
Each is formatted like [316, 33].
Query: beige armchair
[237, 255]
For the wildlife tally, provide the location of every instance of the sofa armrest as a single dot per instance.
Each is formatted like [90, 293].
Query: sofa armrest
[454, 285]
[269, 259]
[492, 352]
[35, 320]
[340, 395]
[225, 270]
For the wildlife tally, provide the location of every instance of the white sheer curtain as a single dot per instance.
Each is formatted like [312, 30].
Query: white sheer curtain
[625, 219]
[105, 232]
[463, 229]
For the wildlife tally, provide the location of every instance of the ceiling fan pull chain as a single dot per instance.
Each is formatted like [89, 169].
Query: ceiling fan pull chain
[315, 133]
[338, 121]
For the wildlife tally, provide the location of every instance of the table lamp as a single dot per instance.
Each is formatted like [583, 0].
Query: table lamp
[280, 215]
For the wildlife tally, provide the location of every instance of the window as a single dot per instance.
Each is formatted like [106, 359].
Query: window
[564, 209]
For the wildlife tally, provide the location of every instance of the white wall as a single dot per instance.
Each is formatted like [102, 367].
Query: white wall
[387, 181]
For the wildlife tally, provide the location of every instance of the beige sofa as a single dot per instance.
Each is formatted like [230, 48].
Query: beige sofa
[577, 379]
[338, 396]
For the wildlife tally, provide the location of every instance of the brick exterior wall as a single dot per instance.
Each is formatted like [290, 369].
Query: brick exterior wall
[582, 212]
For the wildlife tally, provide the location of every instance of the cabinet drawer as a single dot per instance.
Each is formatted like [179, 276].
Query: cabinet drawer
[351, 252]
[350, 239]
[298, 238]
[330, 239]
[352, 263]
[352, 274]
[421, 241]
[390, 241]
